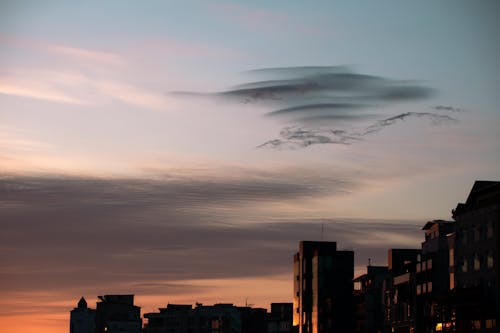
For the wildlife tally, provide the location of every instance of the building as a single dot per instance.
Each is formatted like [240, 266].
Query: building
[476, 255]
[399, 291]
[279, 320]
[117, 313]
[218, 318]
[434, 277]
[368, 300]
[82, 318]
[323, 298]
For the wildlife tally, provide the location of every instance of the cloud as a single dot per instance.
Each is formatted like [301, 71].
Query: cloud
[299, 137]
[329, 104]
[72, 236]
[39, 91]
[86, 55]
[114, 234]
[80, 88]
[330, 86]
[171, 192]
[75, 54]
[447, 108]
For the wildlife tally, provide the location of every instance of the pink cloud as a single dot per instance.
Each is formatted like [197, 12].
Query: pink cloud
[73, 53]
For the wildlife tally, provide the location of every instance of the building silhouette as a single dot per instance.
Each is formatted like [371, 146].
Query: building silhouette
[434, 276]
[476, 256]
[279, 320]
[218, 318]
[117, 313]
[82, 318]
[400, 291]
[323, 298]
[369, 300]
[450, 284]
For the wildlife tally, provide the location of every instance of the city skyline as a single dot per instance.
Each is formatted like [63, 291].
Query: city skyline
[180, 150]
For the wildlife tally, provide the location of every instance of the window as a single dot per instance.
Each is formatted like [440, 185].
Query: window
[489, 260]
[452, 280]
[419, 289]
[419, 265]
[491, 323]
[465, 265]
[429, 264]
[357, 285]
[429, 287]
[452, 257]
[477, 262]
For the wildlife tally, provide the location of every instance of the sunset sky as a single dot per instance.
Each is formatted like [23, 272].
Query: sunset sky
[179, 150]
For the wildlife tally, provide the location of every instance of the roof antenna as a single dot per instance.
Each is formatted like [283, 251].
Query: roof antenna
[322, 231]
[369, 261]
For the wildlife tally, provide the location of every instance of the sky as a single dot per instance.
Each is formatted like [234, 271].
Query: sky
[180, 150]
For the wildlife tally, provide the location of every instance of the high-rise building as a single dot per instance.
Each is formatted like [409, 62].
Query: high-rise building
[323, 288]
[476, 256]
[117, 313]
[82, 318]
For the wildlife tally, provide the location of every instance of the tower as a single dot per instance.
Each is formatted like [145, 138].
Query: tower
[323, 288]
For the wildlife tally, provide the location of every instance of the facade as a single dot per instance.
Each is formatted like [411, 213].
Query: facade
[82, 318]
[117, 313]
[476, 255]
[323, 299]
[218, 318]
[399, 290]
[368, 300]
[434, 277]
[279, 320]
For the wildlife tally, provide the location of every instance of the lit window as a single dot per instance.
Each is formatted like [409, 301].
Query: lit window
[429, 264]
[491, 323]
[452, 257]
[477, 262]
[452, 280]
[429, 287]
[419, 289]
[465, 265]
[489, 260]
[419, 267]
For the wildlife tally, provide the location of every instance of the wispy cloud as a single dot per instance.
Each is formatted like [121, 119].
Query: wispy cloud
[144, 233]
[73, 87]
[330, 104]
[38, 91]
[75, 54]
[300, 137]
[87, 55]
